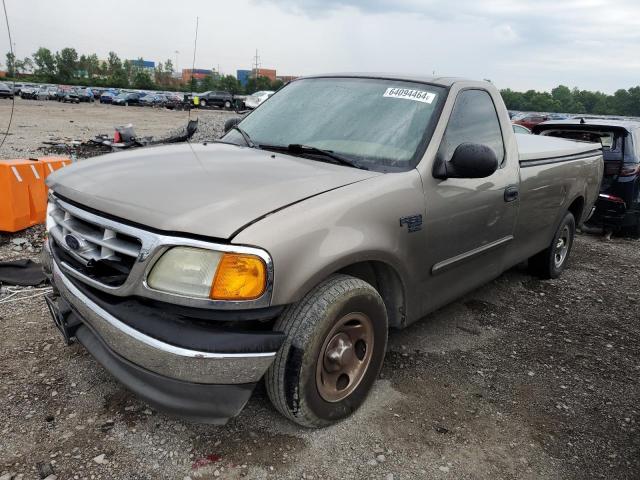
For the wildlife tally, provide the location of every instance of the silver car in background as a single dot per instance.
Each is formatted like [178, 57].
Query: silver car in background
[255, 99]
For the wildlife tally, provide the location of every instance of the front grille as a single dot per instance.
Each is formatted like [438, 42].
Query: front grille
[100, 253]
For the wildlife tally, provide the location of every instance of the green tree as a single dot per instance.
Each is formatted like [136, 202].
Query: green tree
[142, 80]
[93, 65]
[66, 64]
[229, 83]
[45, 64]
[11, 64]
[114, 64]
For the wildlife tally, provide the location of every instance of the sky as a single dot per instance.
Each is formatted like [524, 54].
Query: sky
[518, 44]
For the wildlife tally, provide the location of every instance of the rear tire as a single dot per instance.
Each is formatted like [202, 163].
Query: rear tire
[552, 261]
[335, 346]
[203, 103]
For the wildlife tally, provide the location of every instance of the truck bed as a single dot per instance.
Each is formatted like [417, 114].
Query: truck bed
[536, 148]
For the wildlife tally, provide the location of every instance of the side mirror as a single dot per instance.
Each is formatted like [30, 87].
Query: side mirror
[470, 160]
[230, 123]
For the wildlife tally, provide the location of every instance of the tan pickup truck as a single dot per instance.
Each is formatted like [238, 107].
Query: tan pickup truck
[340, 207]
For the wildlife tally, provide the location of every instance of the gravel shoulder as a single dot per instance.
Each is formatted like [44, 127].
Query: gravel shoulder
[521, 378]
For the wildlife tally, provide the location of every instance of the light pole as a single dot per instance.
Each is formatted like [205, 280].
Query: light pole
[176, 65]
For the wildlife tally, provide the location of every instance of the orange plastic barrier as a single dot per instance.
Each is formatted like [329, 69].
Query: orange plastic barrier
[23, 193]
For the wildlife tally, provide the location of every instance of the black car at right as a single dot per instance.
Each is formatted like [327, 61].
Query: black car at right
[618, 205]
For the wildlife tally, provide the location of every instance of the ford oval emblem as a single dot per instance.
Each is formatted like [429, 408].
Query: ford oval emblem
[72, 242]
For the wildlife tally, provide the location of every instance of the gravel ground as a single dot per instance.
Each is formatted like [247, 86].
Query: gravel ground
[520, 379]
[37, 121]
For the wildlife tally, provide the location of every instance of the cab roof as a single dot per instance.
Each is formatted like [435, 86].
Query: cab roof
[434, 80]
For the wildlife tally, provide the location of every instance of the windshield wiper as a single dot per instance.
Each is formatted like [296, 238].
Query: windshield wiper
[297, 149]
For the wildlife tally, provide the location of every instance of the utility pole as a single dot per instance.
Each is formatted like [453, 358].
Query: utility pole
[256, 64]
[176, 65]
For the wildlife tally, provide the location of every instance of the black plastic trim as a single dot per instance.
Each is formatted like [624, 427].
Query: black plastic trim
[184, 332]
[195, 402]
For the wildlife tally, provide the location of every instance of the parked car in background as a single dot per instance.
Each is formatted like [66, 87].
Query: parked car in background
[529, 119]
[5, 91]
[69, 96]
[153, 100]
[51, 92]
[28, 92]
[108, 96]
[618, 205]
[126, 99]
[520, 129]
[290, 260]
[97, 92]
[17, 87]
[85, 95]
[42, 93]
[255, 99]
[213, 99]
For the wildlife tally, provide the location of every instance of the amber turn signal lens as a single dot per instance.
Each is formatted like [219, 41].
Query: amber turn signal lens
[239, 277]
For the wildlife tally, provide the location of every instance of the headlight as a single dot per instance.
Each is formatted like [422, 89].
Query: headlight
[49, 221]
[197, 272]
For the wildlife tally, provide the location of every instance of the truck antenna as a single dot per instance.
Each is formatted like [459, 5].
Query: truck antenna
[193, 64]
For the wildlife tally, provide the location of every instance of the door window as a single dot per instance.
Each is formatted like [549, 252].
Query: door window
[473, 120]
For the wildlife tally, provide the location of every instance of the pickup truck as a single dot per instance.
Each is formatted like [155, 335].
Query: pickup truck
[284, 251]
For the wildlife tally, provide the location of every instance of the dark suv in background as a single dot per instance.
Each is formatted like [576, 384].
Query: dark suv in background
[214, 99]
[618, 205]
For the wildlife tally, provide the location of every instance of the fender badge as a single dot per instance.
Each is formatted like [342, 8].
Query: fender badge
[413, 223]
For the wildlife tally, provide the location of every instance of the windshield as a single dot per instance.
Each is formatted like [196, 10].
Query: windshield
[383, 124]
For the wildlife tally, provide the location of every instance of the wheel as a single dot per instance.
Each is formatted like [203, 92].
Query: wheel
[203, 103]
[227, 105]
[552, 261]
[335, 346]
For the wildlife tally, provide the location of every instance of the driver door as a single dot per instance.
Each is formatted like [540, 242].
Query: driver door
[470, 221]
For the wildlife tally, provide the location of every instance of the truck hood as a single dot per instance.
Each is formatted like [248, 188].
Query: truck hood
[204, 189]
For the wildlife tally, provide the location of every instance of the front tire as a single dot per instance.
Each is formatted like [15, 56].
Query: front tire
[335, 346]
[203, 103]
[227, 105]
[552, 261]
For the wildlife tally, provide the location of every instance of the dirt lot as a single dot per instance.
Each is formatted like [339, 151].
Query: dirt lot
[520, 379]
[37, 121]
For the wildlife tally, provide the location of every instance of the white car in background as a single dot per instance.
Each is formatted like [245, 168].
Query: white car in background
[252, 101]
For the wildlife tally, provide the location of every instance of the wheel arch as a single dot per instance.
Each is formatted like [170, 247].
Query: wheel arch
[576, 207]
[380, 274]
[387, 281]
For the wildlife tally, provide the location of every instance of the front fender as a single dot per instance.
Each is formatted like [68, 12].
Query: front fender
[360, 222]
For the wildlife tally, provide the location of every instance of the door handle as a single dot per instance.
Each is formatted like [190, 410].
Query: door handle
[511, 193]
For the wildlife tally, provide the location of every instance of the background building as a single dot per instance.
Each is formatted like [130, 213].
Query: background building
[198, 74]
[265, 72]
[243, 76]
[143, 64]
[286, 78]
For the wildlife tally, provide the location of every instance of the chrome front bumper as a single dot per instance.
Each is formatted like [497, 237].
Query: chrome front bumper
[156, 356]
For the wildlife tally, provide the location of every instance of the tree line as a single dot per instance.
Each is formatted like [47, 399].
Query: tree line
[562, 99]
[69, 68]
